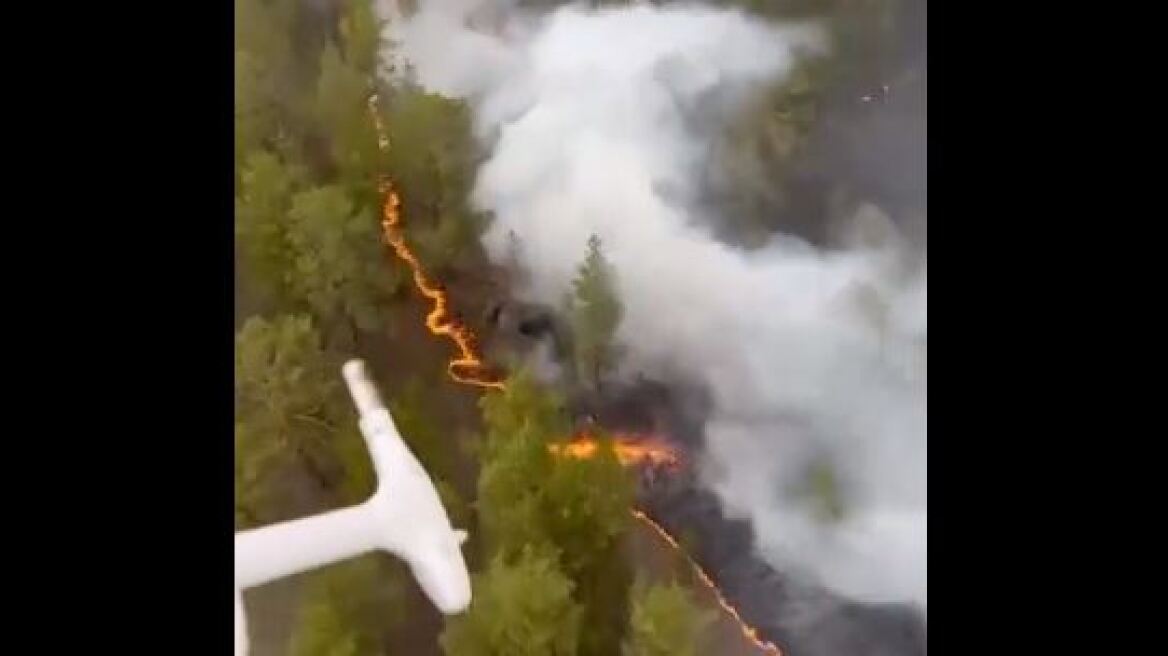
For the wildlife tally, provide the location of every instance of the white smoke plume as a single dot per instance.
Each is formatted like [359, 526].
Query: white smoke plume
[594, 122]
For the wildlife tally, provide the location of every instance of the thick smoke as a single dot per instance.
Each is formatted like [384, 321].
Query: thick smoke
[595, 124]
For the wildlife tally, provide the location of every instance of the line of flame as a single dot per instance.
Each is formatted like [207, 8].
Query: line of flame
[631, 450]
[750, 632]
[439, 323]
[438, 320]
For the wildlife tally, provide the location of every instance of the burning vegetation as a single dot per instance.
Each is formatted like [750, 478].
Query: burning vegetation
[338, 215]
[468, 368]
[632, 450]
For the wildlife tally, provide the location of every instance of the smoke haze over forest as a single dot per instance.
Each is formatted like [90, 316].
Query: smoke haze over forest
[603, 122]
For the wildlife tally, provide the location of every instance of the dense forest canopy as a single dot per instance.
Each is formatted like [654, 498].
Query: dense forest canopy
[319, 287]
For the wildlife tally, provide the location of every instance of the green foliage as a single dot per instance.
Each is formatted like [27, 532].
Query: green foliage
[256, 117]
[338, 270]
[665, 622]
[359, 480]
[361, 36]
[520, 422]
[595, 311]
[280, 395]
[587, 503]
[308, 233]
[586, 506]
[348, 608]
[266, 89]
[511, 501]
[575, 511]
[603, 591]
[523, 407]
[309, 248]
[290, 410]
[282, 378]
[265, 193]
[255, 459]
[421, 430]
[342, 113]
[264, 27]
[456, 507]
[523, 608]
[432, 159]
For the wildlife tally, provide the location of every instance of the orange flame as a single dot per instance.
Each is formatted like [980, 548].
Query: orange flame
[630, 451]
[633, 450]
[467, 366]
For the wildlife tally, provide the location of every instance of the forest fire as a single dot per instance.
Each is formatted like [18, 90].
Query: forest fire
[468, 368]
[632, 450]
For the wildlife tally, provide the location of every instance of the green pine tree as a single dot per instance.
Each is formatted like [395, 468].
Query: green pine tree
[519, 609]
[595, 312]
[666, 622]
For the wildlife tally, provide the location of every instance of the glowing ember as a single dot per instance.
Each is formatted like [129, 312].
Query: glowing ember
[631, 450]
[467, 367]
